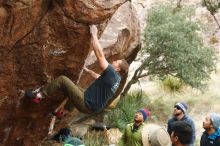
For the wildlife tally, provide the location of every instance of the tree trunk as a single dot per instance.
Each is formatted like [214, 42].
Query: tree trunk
[128, 86]
[134, 79]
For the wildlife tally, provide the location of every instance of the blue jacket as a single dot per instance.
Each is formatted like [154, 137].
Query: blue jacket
[188, 120]
[206, 141]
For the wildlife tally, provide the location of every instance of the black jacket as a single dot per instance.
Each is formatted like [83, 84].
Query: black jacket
[205, 141]
[188, 120]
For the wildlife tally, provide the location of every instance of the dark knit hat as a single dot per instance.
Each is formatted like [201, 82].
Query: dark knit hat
[145, 112]
[182, 105]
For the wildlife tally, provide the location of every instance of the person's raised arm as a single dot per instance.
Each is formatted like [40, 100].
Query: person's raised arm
[103, 63]
[92, 73]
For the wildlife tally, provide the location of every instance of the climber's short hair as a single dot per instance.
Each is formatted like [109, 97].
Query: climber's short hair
[124, 66]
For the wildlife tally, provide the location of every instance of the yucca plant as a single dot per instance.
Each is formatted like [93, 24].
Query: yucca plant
[124, 111]
[172, 83]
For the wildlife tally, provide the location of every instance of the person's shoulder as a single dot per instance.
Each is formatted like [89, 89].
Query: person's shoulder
[130, 124]
[171, 120]
[109, 68]
[188, 118]
[142, 124]
[204, 134]
[203, 138]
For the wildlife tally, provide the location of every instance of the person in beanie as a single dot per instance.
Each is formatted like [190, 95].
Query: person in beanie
[211, 135]
[132, 133]
[179, 114]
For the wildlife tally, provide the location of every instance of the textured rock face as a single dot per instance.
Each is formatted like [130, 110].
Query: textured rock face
[42, 39]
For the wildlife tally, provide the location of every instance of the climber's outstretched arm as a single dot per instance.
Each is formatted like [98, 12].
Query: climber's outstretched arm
[92, 73]
[103, 63]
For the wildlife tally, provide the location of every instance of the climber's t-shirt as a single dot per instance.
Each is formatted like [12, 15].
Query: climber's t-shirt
[102, 89]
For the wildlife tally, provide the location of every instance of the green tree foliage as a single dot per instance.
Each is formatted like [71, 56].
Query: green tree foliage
[212, 5]
[172, 46]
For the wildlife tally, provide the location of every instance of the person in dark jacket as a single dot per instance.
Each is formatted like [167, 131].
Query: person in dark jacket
[179, 114]
[211, 135]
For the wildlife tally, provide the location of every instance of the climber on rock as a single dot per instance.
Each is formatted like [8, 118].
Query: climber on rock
[97, 95]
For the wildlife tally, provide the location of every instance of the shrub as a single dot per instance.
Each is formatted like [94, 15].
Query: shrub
[124, 111]
[172, 83]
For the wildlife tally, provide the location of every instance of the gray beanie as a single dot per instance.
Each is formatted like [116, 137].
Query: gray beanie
[182, 105]
[215, 118]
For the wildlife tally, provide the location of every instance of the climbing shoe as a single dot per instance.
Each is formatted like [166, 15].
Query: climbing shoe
[59, 114]
[35, 95]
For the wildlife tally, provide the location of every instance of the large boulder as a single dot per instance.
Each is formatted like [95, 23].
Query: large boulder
[42, 39]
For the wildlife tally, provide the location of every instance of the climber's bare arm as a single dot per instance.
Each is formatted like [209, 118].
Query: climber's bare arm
[103, 63]
[92, 73]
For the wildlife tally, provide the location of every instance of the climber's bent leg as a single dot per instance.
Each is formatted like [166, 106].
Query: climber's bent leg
[75, 95]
